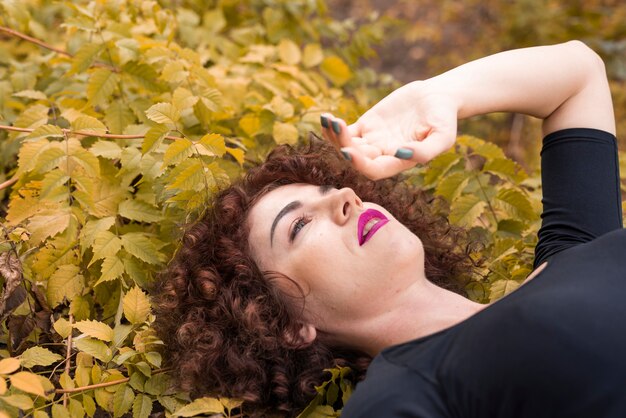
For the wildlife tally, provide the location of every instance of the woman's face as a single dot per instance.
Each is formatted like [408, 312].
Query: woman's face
[347, 259]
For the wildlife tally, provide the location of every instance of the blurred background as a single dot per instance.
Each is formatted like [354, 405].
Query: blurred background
[425, 37]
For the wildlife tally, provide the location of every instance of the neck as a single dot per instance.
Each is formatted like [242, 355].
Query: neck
[421, 310]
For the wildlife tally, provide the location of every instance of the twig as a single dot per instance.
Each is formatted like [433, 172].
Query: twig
[85, 133]
[90, 387]
[8, 183]
[67, 357]
[42, 44]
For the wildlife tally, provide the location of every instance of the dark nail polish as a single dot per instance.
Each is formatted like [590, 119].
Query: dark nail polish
[404, 153]
[346, 155]
[324, 121]
[336, 127]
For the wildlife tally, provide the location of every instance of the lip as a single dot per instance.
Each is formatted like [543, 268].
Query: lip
[364, 218]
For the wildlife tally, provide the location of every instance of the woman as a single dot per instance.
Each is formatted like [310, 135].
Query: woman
[344, 280]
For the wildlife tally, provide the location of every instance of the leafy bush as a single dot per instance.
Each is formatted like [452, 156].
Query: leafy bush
[119, 119]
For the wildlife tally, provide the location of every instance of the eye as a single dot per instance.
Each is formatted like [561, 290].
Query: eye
[297, 225]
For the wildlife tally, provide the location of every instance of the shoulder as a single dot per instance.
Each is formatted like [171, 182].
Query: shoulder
[393, 390]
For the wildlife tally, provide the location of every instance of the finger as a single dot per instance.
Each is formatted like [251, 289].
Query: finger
[376, 168]
[423, 151]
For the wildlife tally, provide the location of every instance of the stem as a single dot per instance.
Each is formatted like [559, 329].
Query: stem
[84, 133]
[67, 358]
[90, 387]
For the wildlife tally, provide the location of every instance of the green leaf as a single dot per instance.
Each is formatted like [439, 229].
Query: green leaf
[189, 175]
[501, 288]
[136, 306]
[142, 406]
[101, 86]
[120, 333]
[111, 269]
[153, 138]
[76, 408]
[336, 70]
[38, 356]
[89, 405]
[466, 209]
[137, 244]
[518, 202]
[106, 244]
[177, 151]
[122, 400]
[285, 133]
[84, 57]
[28, 382]
[88, 124]
[106, 149]
[143, 74]
[451, 186]
[214, 144]
[95, 348]
[95, 329]
[506, 168]
[200, 406]
[65, 283]
[163, 113]
[45, 131]
[138, 210]
[59, 411]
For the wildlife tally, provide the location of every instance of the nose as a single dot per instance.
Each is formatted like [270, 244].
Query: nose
[343, 203]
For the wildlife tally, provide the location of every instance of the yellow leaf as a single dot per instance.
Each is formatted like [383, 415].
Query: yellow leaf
[142, 407]
[163, 113]
[59, 411]
[106, 149]
[250, 124]
[19, 401]
[153, 138]
[183, 99]
[3, 386]
[95, 329]
[45, 131]
[214, 143]
[174, 72]
[101, 85]
[9, 365]
[177, 151]
[84, 57]
[313, 55]
[111, 269]
[200, 406]
[138, 210]
[28, 382]
[63, 327]
[237, 154]
[39, 356]
[137, 244]
[106, 244]
[31, 94]
[89, 124]
[336, 70]
[44, 226]
[96, 348]
[285, 133]
[136, 306]
[65, 283]
[122, 400]
[289, 52]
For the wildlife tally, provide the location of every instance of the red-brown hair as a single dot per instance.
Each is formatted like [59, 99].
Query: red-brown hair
[227, 327]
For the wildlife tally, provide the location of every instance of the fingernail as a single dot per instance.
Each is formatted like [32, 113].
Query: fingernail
[346, 155]
[324, 121]
[404, 153]
[336, 127]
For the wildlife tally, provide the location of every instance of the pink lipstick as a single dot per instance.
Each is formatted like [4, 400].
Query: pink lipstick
[370, 221]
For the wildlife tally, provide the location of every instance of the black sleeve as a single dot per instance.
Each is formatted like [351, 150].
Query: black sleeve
[581, 189]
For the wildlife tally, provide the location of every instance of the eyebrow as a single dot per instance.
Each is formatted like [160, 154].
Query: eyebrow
[291, 207]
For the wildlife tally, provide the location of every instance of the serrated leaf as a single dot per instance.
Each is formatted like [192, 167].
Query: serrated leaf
[188, 176]
[106, 149]
[92, 228]
[285, 133]
[143, 74]
[111, 269]
[50, 158]
[84, 57]
[31, 94]
[28, 382]
[153, 138]
[336, 70]
[183, 99]
[214, 144]
[142, 406]
[32, 117]
[200, 406]
[65, 283]
[44, 226]
[120, 333]
[138, 210]
[177, 151]
[466, 209]
[140, 246]
[519, 203]
[118, 116]
[95, 329]
[101, 85]
[9, 365]
[89, 124]
[38, 356]
[122, 400]
[52, 181]
[136, 306]
[45, 131]
[501, 288]
[106, 244]
[95, 348]
[451, 186]
[163, 113]
[506, 168]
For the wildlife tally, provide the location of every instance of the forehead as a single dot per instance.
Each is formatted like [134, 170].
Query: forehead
[272, 202]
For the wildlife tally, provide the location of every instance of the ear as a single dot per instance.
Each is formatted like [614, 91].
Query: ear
[305, 335]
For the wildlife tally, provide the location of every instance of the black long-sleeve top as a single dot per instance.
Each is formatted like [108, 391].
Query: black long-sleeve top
[555, 347]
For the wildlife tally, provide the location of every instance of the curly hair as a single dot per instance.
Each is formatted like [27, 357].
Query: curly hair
[227, 327]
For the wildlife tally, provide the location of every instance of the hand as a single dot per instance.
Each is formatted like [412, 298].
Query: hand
[411, 125]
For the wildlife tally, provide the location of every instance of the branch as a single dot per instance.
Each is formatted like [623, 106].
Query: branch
[67, 358]
[90, 387]
[8, 183]
[52, 48]
[85, 133]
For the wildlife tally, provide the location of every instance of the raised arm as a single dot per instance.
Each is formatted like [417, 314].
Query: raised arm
[563, 84]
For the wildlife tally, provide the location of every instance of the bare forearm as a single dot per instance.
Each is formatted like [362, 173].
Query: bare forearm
[563, 84]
